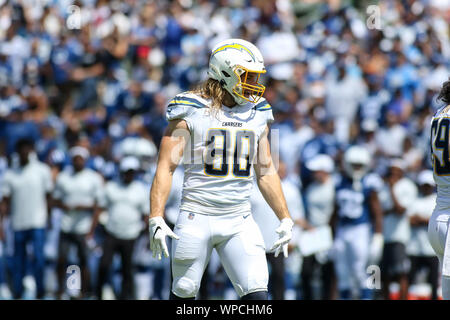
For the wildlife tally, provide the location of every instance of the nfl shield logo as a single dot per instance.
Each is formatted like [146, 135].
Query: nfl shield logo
[191, 216]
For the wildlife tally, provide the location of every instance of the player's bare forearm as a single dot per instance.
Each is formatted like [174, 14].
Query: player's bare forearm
[270, 187]
[170, 153]
[162, 183]
[268, 180]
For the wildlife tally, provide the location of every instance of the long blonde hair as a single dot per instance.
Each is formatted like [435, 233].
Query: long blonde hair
[211, 89]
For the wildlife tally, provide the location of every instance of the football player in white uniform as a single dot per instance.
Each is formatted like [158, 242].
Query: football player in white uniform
[221, 131]
[438, 224]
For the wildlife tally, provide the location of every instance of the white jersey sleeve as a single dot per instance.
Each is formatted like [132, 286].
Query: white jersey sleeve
[183, 107]
[266, 109]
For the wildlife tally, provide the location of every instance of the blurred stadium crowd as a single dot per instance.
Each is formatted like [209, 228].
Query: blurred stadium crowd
[103, 89]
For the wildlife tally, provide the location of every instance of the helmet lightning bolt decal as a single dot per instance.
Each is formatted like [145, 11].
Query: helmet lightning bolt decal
[236, 46]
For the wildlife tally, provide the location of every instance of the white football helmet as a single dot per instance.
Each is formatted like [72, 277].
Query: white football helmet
[231, 62]
[356, 155]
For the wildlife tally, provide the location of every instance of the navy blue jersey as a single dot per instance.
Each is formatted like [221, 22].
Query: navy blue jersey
[353, 205]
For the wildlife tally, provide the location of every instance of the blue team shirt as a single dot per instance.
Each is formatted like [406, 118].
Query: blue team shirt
[353, 205]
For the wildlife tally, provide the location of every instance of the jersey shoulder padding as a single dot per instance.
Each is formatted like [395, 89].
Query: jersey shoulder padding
[184, 105]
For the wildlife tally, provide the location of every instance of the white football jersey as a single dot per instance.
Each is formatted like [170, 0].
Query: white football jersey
[440, 155]
[219, 156]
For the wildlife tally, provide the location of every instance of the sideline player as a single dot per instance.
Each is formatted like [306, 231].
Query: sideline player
[224, 126]
[440, 156]
[356, 206]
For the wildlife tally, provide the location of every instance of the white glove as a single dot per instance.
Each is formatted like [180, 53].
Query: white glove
[285, 233]
[158, 232]
[376, 248]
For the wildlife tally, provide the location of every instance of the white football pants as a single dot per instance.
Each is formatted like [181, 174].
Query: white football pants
[351, 254]
[238, 242]
[437, 234]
